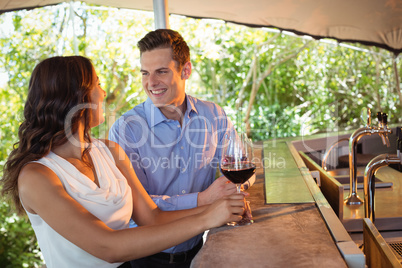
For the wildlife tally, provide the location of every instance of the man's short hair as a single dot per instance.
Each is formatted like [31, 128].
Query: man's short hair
[165, 38]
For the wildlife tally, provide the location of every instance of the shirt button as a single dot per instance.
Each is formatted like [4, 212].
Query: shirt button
[178, 126]
[182, 147]
[183, 192]
[183, 170]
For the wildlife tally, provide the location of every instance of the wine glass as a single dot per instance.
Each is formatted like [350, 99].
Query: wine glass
[237, 164]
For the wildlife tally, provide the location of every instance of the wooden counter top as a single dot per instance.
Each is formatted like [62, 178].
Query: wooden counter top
[283, 235]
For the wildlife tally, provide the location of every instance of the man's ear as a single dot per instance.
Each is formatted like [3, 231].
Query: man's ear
[186, 70]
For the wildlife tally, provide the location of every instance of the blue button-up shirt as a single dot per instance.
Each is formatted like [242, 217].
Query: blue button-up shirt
[173, 162]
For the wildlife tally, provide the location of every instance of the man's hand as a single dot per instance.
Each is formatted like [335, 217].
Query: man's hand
[221, 187]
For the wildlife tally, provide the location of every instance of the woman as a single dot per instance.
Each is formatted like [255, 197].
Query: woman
[79, 192]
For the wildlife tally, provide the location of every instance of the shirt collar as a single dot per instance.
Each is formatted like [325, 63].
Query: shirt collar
[155, 116]
[190, 105]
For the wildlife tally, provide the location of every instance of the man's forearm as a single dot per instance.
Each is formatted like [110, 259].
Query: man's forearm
[177, 202]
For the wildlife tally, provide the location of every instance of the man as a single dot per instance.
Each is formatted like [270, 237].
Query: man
[173, 140]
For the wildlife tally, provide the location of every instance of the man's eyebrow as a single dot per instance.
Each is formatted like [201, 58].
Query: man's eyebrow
[159, 69]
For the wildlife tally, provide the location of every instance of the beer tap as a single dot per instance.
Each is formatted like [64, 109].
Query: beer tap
[382, 130]
[370, 171]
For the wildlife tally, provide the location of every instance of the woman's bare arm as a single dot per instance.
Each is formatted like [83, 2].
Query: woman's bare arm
[42, 193]
[145, 212]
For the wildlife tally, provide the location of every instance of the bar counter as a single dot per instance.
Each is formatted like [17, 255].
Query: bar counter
[291, 231]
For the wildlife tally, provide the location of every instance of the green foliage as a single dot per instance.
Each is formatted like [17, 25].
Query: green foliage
[18, 247]
[323, 88]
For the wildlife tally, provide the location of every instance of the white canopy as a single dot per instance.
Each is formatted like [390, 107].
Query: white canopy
[371, 22]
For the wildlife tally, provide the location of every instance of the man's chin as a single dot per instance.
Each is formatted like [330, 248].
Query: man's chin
[158, 102]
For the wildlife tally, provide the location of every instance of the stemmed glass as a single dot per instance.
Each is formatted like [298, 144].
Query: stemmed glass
[237, 164]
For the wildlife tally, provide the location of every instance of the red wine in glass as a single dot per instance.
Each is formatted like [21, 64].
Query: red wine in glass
[238, 174]
[236, 164]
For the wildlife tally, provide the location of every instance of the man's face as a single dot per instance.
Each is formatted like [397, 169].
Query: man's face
[162, 81]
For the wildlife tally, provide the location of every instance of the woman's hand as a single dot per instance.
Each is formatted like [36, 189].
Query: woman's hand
[227, 209]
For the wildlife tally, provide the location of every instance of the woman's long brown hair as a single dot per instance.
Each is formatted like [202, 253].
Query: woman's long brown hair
[57, 87]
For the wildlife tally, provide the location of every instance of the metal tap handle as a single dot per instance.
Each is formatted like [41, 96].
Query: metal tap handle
[379, 118]
[384, 126]
[384, 119]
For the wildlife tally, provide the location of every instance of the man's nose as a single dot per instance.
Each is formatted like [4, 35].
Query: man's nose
[153, 79]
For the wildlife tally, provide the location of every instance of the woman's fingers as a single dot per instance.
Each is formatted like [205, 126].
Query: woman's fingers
[228, 209]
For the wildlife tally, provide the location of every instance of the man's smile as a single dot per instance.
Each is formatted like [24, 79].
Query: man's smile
[158, 91]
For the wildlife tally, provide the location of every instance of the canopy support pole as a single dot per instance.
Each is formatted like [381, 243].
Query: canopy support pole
[161, 14]
[75, 48]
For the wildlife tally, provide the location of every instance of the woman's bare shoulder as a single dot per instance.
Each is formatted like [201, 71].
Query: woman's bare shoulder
[33, 180]
[34, 170]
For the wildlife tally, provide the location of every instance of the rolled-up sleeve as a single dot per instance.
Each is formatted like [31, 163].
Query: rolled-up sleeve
[176, 202]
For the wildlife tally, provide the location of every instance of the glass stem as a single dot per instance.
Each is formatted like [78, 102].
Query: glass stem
[238, 187]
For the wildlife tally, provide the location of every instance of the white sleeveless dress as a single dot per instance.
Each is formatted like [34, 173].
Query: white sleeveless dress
[111, 202]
